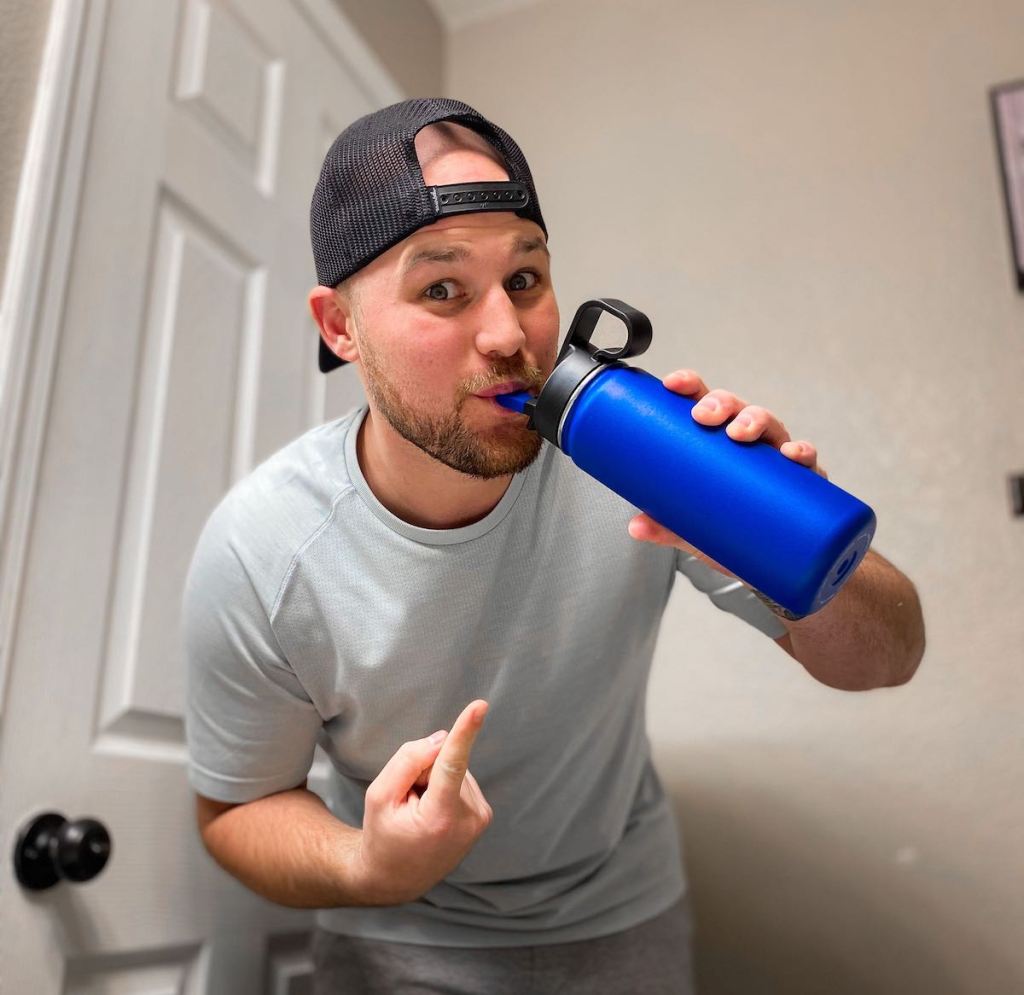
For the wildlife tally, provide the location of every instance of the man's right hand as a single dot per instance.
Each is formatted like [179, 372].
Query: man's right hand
[411, 841]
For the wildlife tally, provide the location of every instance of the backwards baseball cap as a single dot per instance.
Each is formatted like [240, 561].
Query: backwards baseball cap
[371, 193]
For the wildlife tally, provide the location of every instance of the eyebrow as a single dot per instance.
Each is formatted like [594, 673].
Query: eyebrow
[521, 247]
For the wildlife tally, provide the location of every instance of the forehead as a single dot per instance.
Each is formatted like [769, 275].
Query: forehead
[485, 230]
[479, 224]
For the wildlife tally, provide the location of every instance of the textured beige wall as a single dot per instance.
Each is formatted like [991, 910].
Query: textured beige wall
[805, 199]
[407, 37]
[21, 47]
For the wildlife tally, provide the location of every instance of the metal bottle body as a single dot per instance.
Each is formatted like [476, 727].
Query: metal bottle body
[777, 525]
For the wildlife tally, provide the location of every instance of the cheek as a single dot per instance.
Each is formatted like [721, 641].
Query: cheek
[423, 359]
[541, 327]
[434, 349]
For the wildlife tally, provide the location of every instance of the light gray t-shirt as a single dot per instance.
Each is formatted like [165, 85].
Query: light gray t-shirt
[313, 614]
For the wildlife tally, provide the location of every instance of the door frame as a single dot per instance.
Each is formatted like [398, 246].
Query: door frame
[41, 242]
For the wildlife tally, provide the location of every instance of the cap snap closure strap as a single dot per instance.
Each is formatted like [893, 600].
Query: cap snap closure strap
[459, 198]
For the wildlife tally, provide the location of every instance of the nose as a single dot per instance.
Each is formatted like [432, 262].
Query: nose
[500, 332]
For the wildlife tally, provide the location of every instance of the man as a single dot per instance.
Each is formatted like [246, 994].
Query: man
[426, 560]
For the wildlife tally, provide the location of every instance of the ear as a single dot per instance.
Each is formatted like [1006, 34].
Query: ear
[334, 320]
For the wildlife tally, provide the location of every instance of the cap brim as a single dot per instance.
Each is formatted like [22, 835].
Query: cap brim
[328, 360]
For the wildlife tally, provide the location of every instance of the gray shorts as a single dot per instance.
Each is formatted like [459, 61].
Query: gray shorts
[651, 958]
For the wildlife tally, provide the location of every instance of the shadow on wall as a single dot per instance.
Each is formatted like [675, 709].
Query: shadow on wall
[785, 905]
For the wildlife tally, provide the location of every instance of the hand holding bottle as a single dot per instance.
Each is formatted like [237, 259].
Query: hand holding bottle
[750, 422]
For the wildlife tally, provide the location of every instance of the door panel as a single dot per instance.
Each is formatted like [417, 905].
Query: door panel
[185, 355]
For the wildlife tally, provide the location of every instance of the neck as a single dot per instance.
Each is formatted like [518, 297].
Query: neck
[418, 488]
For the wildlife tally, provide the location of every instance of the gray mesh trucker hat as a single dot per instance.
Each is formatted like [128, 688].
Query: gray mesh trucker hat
[371, 194]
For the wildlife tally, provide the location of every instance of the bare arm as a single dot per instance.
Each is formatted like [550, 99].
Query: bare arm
[287, 847]
[870, 635]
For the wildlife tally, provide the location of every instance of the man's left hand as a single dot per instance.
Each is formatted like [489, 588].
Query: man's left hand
[750, 423]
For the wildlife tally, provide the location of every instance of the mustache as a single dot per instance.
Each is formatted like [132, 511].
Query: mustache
[533, 376]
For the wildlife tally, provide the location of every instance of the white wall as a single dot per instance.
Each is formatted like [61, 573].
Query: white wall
[407, 37]
[805, 199]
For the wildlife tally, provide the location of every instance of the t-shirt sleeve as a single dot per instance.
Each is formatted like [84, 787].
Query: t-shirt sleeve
[250, 727]
[729, 594]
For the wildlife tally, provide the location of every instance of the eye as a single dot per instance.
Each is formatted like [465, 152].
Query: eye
[524, 273]
[430, 291]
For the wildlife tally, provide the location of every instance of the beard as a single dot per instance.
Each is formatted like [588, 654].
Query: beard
[504, 447]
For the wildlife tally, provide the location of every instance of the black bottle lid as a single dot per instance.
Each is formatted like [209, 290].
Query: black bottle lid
[578, 358]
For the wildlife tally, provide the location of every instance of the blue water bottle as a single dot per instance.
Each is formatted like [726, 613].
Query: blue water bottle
[785, 530]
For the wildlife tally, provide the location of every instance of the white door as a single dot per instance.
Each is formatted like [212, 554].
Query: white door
[173, 296]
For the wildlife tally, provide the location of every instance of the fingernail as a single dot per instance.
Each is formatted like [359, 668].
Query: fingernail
[709, 404]
[438, 736]
[744, 421]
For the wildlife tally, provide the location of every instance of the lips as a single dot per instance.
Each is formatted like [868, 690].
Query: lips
[508, 387]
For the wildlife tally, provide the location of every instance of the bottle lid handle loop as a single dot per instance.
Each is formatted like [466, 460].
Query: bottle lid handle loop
[579, 357]
[638, 330]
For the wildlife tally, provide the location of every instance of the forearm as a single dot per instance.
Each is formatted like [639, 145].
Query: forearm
[870, 635]
[289, 848]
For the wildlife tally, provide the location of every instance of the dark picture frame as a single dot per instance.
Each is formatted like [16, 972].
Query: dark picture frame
[1007, 100]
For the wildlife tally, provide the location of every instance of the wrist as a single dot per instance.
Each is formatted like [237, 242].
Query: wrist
[376, 887]
[775, 608]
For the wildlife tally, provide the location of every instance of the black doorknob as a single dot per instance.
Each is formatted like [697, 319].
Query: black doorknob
[51, 848]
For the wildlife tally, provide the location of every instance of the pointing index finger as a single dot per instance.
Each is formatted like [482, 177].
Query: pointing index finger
[452, 762]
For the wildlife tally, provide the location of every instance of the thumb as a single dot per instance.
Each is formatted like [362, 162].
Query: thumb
[409, 761]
